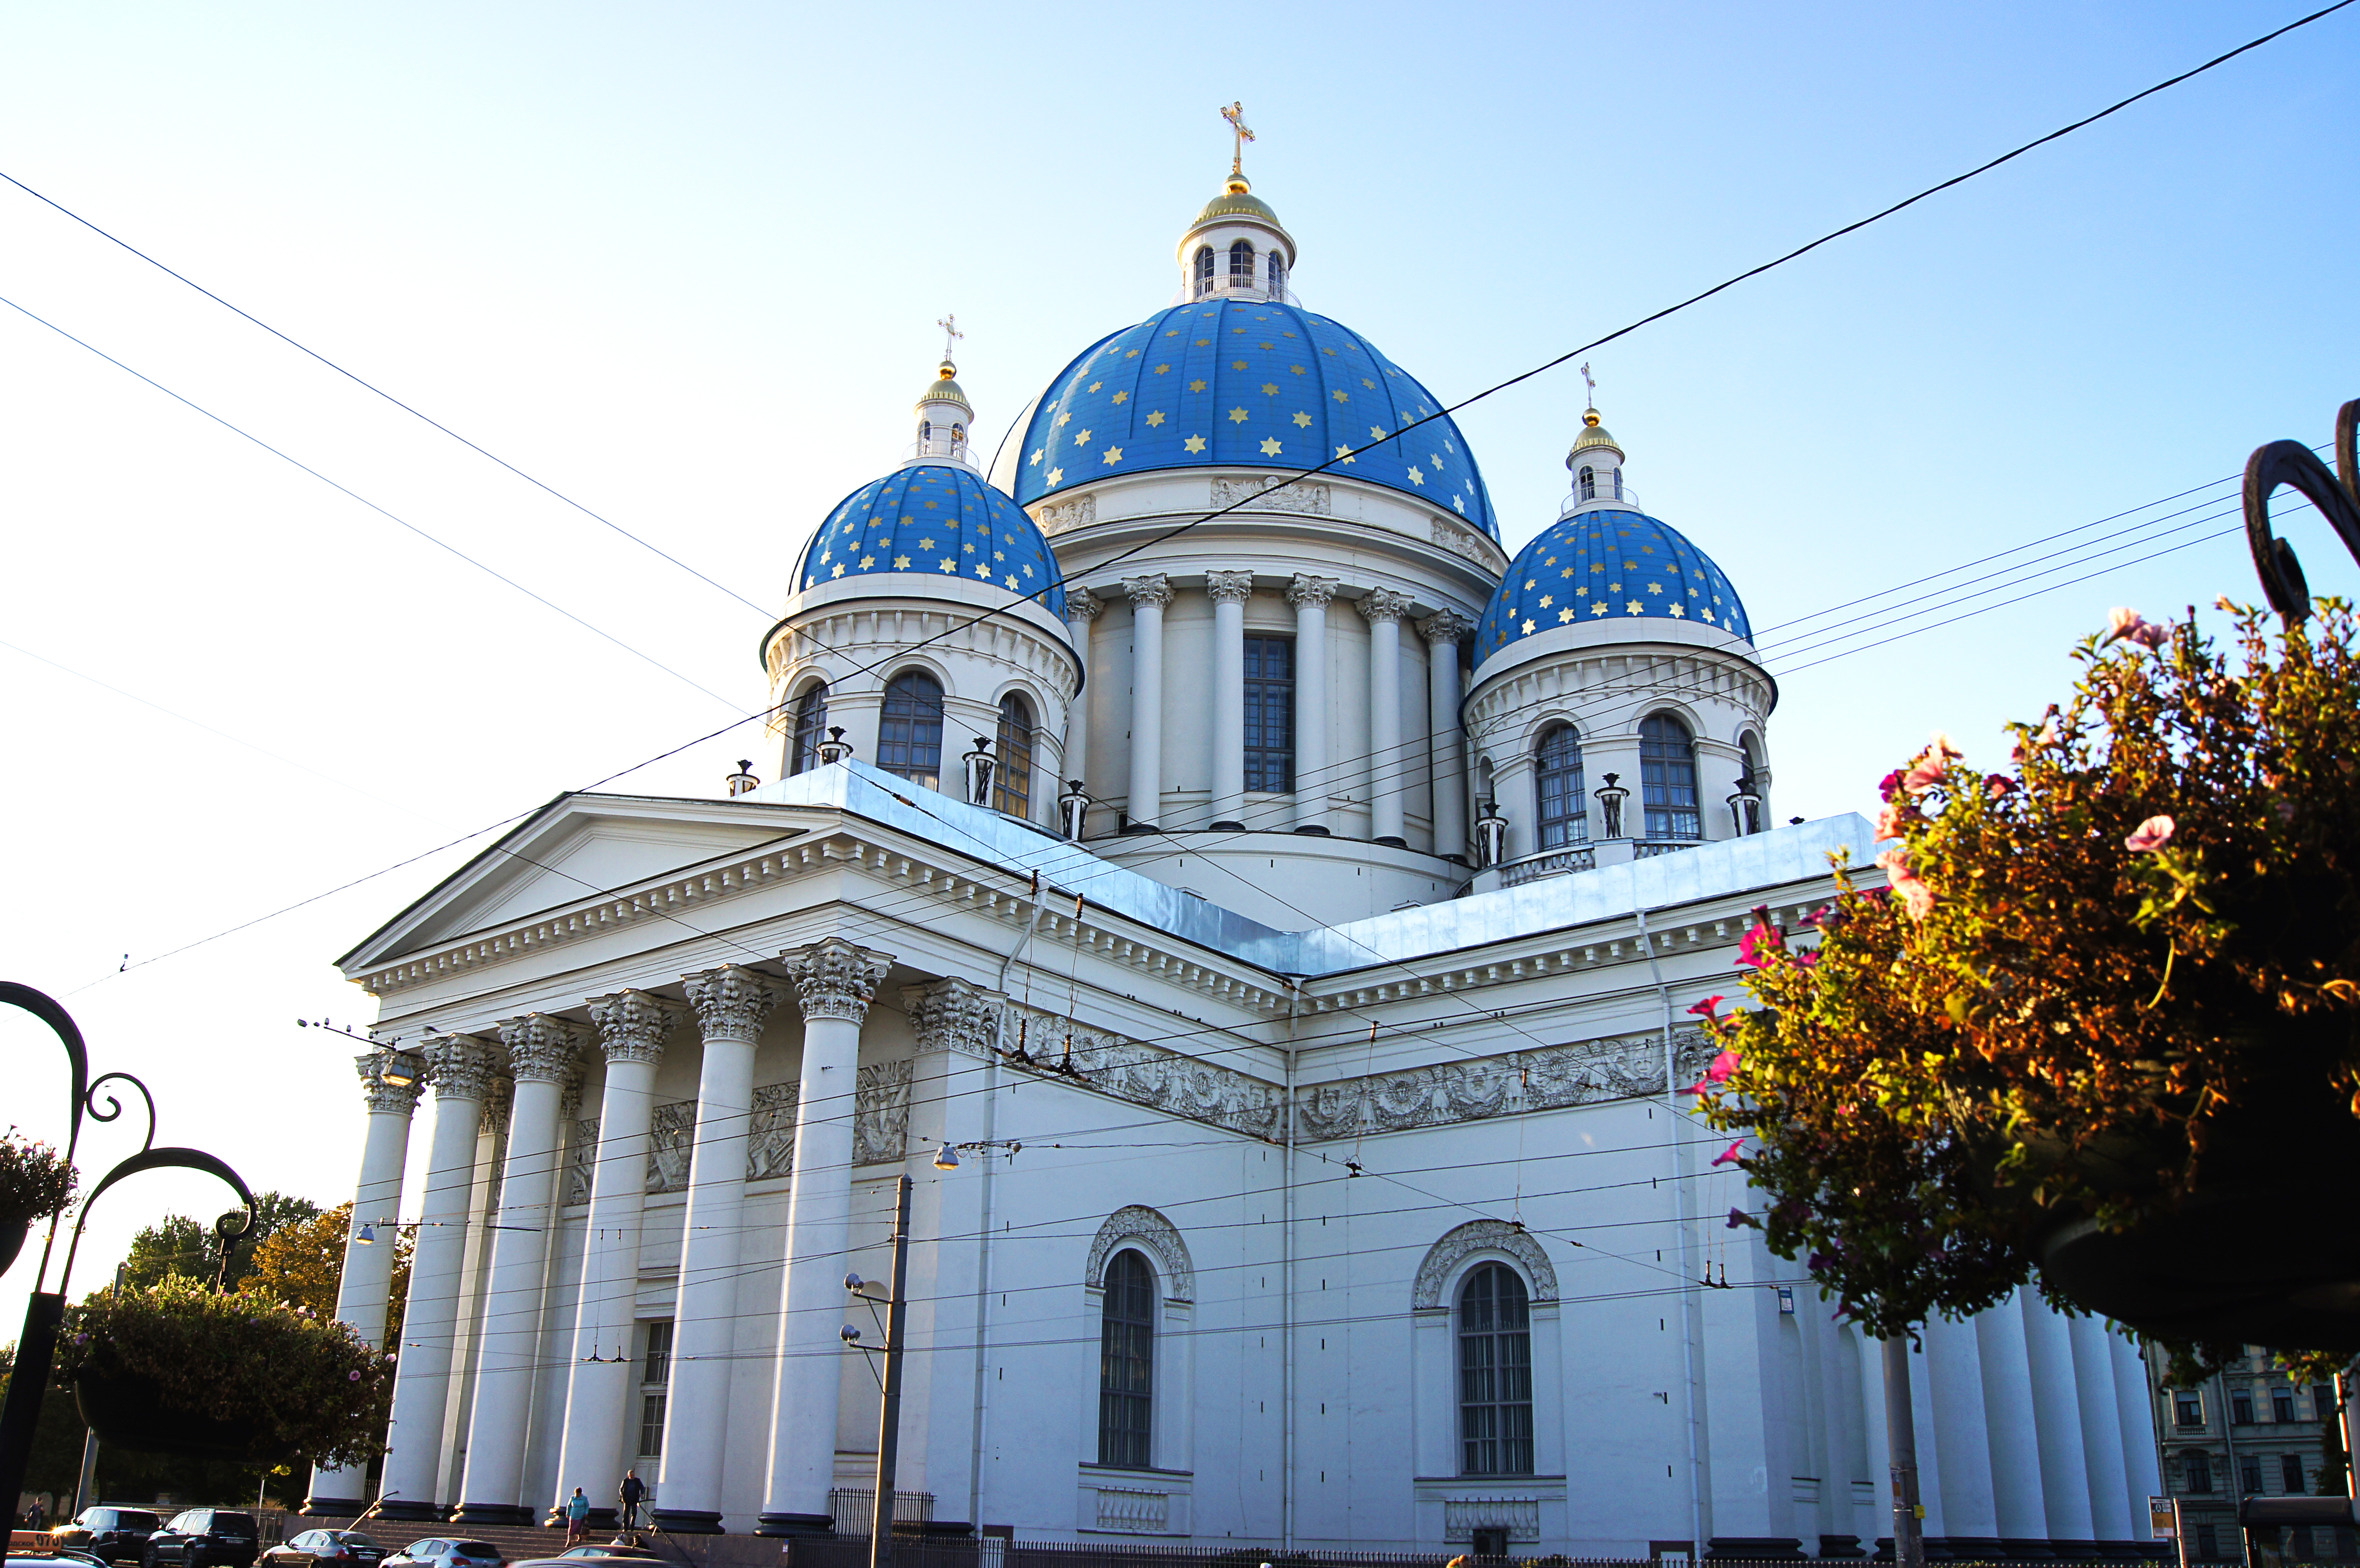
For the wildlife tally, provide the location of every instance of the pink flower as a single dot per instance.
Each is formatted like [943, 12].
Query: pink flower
[1889, 786]
[2120, 622]
[1723, 1066]
[1755, 948]
[1729, 1156]
[1926, 773]
[1738, 1220]
[1918, 898]
[1893, 821]
[2152, 834]
[1704, 1011]
[1822, 916]
[2147, 633]
[1999, 784]
[1944, 744]
[1807, 956]
[353, 1377]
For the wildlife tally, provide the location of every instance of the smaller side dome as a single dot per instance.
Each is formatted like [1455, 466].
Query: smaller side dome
[1614, 566]
[929, 521]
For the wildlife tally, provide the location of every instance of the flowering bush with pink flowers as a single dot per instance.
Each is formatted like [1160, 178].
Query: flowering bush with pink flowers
[2082, 963]
[308, 1387]
[35, 1179]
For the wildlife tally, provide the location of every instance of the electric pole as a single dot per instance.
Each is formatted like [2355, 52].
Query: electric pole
[888, 1415]
[1901, 1438]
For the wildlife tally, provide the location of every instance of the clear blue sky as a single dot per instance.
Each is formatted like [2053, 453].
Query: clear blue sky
[683, 263]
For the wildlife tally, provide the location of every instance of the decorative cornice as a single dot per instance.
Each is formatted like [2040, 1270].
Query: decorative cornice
[1274, 493]
[1136, 1224]
[460, 1066]
[632, 1025]
[732, 1002]
[950, 1014]
[542, 1048]
[1312, 591]
[834, 979]
[1447, 626]
[1383, 604]
[1443, 1259]
[1154, 589]
[1229, 587]
[1147, 1074]
[390, 1099]
[1083, 606]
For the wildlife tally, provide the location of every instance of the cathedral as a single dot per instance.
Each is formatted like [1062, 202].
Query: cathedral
[1262, 918]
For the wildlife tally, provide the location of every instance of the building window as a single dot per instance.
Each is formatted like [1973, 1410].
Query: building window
[1588, 488]
[1011, 782]
[2195, 1471]
[1667, 779]
[2208, 1544]
[1564, 805]
[1277, 266]
[909, 739]
[2241, 1406]
[1241, 265]
[1614, 480]
[1204, 269]
[2249, 1476]
[2282, 1404]
[811, 728]
[1270, 714]
[2188, 1408]
[2291, 1474]
[1755, 813]
[655, 1384]
[1495, 1374]
[1126, 1362]
[2322, 1400]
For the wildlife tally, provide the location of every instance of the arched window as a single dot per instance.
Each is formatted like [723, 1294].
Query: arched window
[1241, 265]
[909, 739]
[925, 429]
[1588, 488]
[1012, 781]
[811, 728]
[1615, 478]
[1564, 803]
[1277, 265]
[1495, 1374]
[1204, 269]
[1667, 779]
[1126, 1362]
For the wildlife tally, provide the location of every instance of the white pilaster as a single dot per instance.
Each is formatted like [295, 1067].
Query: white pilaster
[1443, 632]
[632, 1030]
[1383, 609]
[2012, 1429]
[1149, 595]
[1959, 1432]
[1229, 591]
[2102, 1443]
[732, 1004]
[1309, 595]
[541, 1058]
[833, 982]
[2134, 1421]
[460, 1068]
[2057, 1416]
[363, 1295]
[1082, 608]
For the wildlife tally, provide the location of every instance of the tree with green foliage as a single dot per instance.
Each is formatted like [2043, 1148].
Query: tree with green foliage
[180, 1246]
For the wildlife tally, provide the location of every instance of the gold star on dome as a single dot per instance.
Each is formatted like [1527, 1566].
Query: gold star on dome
[901, 563]
[1342, 396]
[999, 555]
[1270, 446]
[1329, 351]
[1297, 368]
[867, 562]
[925, 544]
[1133, 355]
[826, 555]
[1095, 385]
[1113, 455]
[1035, 458]
[1237, 365]
[1238, 416]
[1173, 333]
[1082, 439]
[1195, 387]
[1057, 477]
[1530, 584]
[1679, 609]
[969, 549]
[1376, 432]
[1416, 478]
[1270, 388]
[1633, 607]
[1061, 419]
[1346, 453]
[1201, 343]
[1566, 572]
[1655, 587]
[836, 571]
[1528, 628]
[983, 570]
[1302, 420]
[1155, 419]
[1195, 444]
[1267, 344]
[1600, 569]
[1597, 606]
[1564, 614]
[1706, 614]
[1162, 369]
[1121, 397]
[932, 505]
[1011, 582]
[1461, 504]
[1369, 384]
[1546, 599]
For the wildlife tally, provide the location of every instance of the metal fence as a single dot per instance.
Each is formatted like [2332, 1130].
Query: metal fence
[915, 1551]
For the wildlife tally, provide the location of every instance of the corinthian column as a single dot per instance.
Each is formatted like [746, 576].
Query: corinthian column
[1309, 595]
[1082, 607]
[1443, 633]
[362, 1296]
[732, 1004]
[833, 981]
[1229, 591]
[541, 1058]
[460, 1068]
[1383, 609]
[1149, 595]
[632, 1030]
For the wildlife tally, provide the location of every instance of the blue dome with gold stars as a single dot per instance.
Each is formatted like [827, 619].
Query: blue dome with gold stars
[1246, 384]
[1608, 565]
[934, 520]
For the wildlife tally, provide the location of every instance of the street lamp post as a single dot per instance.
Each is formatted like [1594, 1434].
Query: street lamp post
[889, 1413]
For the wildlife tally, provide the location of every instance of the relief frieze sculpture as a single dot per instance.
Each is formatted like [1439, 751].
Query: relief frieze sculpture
[1151, 1076]
[1272, 492]
[1579, 1073]
[880, 1133]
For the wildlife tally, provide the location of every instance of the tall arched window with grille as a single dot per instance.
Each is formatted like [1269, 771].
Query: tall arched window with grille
[1564, 805]
[811, 728]
[1127, 1362]
[1277, 266]
[1012, 781]
[910, 735]
[1204, 269]
[1495, 1374]
[1587, 483]
[1241, 265]
[1667, 779]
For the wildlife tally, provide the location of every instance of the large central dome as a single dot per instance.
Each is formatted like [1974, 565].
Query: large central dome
[1243, 384]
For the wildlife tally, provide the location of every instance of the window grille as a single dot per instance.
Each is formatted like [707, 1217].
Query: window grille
[2241, 1406]
[1277, 266]
[910, 738]
[2282, 1404]
[1204, 269]
[1270, 714]
[1495, 1374]
[2188, 1408]
[2196, 1471]
[1564, 803]
[1667, 779]
[1589, 486]
[1012, 781]
[655, 1386]
[1242, 256]
[811, 728]
[1127, 1362]
[2251, 1476]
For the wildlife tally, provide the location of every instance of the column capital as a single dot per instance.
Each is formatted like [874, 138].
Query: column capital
[1229, 587]
[542, 1048]
[1383, 604]
[460, 1066]
[632, 1025]
[498, 1100]
[1153, 589]
[953, 1014]
[834, 979]
[1081, 604]
[393, 1099]
[732, 1002]
[1314, 591]
[1446, 626]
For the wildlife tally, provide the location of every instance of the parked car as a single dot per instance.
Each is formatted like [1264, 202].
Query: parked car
[446, 1552]
[331, 1548]
[203, 1538]
[577, 1556]
[109, 1533]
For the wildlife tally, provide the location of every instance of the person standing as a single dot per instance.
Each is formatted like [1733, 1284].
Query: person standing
[630, 1494]
[577, 1517]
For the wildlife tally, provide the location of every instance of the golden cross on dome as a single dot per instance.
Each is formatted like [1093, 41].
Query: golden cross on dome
[1590, 381]
[951, 333]
[1236, 116]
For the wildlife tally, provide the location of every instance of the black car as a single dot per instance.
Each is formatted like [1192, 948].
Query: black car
[326, 1548]
[110, 1533]
[203, 1538]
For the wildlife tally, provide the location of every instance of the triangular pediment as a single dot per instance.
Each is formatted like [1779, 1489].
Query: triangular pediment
[575, 848]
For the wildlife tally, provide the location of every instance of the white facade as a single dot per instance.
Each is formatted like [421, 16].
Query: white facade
[1332, 1084]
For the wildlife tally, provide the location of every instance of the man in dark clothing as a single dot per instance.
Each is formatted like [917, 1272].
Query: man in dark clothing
[630, 1494]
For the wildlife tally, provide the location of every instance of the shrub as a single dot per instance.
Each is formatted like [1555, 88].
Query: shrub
[35, 1179]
